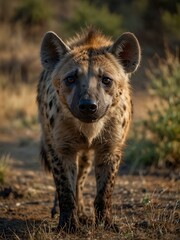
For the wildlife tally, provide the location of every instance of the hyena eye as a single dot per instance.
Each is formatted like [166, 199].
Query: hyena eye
[107, 81]
[70, 80]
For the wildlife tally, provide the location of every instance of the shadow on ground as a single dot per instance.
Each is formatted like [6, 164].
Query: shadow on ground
[23, 153]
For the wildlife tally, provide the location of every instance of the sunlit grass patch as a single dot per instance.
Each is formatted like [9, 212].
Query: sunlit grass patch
[4, 167]
[18, 106]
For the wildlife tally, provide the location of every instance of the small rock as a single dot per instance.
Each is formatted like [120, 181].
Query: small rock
[144, 190]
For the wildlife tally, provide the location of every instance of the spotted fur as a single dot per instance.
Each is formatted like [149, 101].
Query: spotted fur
[89, 67]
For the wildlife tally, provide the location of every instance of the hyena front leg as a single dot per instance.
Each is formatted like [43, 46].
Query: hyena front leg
[106, 168]
[64, 170]
[54, 209]
[84, 167]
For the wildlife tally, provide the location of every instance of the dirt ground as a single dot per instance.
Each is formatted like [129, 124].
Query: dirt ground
[146, 206]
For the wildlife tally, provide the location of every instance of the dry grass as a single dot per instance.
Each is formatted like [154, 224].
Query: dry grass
[19, 72]
[144, 207]
[17, 105]
[154, 214]
[5, 161]
[16, 48]
[152, 224]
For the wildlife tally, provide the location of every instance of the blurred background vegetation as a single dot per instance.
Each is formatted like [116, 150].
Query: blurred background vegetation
[155, 137]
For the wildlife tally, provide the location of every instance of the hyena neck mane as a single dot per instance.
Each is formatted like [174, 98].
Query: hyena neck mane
[90, 38]
[91, 130]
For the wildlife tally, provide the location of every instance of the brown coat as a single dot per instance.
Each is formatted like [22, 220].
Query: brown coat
[85, 111]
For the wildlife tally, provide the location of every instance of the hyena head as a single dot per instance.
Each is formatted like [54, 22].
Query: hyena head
[89, 72]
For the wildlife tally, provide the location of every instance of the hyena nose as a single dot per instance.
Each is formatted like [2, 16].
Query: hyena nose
[88, 106]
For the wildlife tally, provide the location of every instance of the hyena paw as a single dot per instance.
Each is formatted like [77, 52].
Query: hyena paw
[68, 223]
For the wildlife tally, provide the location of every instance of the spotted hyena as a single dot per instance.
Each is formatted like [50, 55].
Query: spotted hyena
[85, 110]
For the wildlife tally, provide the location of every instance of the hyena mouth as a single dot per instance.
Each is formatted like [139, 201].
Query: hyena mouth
[88, 119]
[87, 111]
[91, 118]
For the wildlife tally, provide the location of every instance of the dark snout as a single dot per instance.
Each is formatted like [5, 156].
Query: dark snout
[88, 106]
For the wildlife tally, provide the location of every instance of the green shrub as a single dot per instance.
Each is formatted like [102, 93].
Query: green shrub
[156, 140]
[88, 14]
[140, 149]
[171, 22]
[164, 120]
[33, 12]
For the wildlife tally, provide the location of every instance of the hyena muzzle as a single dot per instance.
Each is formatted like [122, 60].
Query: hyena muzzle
[85, 112]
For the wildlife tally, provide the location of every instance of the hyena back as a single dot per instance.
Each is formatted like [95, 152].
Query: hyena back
[85, 112]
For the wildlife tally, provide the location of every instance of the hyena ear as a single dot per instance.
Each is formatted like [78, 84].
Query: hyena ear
[52, 50]
[127, 50]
